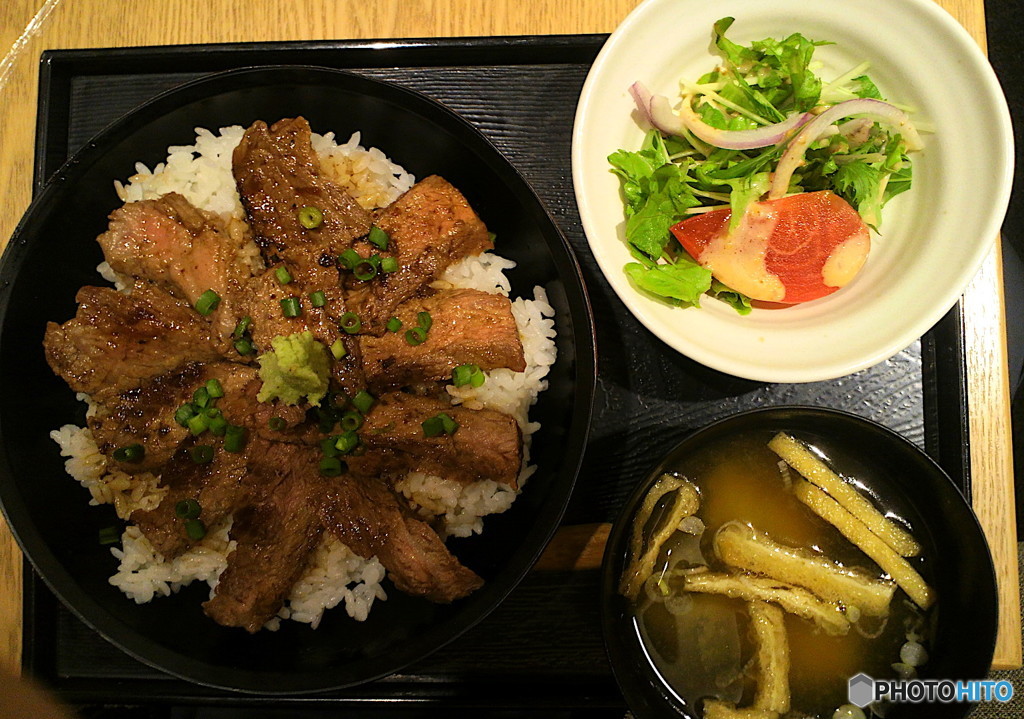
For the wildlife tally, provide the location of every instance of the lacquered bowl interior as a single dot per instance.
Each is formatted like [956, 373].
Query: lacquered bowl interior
[958, 566]
[53, 252]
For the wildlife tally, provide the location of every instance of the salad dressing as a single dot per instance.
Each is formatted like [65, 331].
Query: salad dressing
[738, 257]
[845, 261]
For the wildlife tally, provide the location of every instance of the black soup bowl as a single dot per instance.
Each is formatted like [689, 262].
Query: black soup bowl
[53, 253]
[900, 478]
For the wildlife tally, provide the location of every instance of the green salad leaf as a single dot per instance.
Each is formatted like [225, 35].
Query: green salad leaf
[670, 178]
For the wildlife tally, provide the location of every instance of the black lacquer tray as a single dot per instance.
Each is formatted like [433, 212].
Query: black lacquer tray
[541, 652]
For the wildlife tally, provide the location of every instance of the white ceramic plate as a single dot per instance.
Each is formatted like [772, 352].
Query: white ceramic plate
[933, 237]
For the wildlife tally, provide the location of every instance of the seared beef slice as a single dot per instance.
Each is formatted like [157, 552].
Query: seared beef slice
[145, 415]
[371, 520]
[467, 327]
[430, 227]
[278, 173]
[182, 249]
[487, 444]
[117, 341]
[276, 532]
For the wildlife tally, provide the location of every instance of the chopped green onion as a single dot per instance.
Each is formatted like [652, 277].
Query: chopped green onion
[350, 323]
[207, 302]
[187, 509]
[432, 427]
[332, 466]
[184, 414]
[130, 453]
[350, 258]
[463, 374]
[378, 237]
[338, 349]
[201, 453]
[351, 421]
[242, 327]
[450, 425]
[439, 424]
[365, 270]
[195, 529]
[283, 275]
[327, 446]
[291, 307]
[425, 320]
[199, 424]
[214, 388]
[389, 264]
[109, 535]
[212, 412]
[218, 425]
[363, 401]
[201, 397]
[491, 237]
[318, 298]
[477, 379]
[415, 336]
[310, 217]
[346, 442]
[244, 347]
[394, 324]
[277, 423]
[235, 438]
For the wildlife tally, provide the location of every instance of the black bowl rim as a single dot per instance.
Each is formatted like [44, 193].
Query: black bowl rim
[583, 371]
[616, 539]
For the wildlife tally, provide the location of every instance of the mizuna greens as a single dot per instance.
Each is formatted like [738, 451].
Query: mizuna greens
[761, 125]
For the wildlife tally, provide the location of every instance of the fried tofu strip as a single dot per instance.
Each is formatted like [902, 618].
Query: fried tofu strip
[772, 645]
[744, 547]
[868, 542]
[800, 458]
[795, 600]
[716, 709]
[684, 503]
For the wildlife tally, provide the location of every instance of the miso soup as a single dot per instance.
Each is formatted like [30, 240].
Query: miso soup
[692, 609]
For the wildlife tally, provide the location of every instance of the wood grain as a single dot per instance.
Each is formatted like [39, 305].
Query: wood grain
[102, 23]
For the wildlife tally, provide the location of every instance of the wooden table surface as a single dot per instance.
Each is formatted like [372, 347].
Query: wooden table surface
[27, 27]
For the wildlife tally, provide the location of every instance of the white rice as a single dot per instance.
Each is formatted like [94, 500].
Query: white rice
[202, 173]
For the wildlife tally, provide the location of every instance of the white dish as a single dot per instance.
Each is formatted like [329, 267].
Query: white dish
[933, 237]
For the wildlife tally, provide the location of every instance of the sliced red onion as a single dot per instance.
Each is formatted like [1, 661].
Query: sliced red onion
[875, 110]
[658, 111]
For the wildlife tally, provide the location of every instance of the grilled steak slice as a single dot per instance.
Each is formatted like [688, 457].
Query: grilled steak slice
[276, 532]
[486, 445]
[182, 249]
[367, 516]
[278, 173]
[430, 227]
[261, 300]
[145, 415]
[467, 327]
[118, 341]
[220, 487]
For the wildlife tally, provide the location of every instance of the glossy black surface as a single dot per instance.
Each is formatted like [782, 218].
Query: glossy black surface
[53, 253]
[905, 480]
[540, 653]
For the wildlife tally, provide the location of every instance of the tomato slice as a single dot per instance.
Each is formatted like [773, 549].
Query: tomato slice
[794, 249]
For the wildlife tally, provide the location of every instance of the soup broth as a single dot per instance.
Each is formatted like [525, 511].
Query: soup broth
[701, 645]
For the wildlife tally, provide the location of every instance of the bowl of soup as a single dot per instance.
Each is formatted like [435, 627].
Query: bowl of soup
[784, 562]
